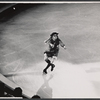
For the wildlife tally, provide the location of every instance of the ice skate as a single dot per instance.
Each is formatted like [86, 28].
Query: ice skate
[45, 71]
[52, 67]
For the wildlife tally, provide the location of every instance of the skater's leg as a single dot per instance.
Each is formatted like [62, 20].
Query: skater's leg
[46, 58]
[45, 70]
[48, 63]
[55, 55]
[52, 61]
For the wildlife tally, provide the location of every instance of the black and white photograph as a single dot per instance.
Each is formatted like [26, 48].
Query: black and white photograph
[49, 50]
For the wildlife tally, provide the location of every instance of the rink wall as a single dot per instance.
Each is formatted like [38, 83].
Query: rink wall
[9, 85]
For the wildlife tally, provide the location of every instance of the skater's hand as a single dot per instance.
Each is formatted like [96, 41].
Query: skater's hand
[64, 47]
[45, 41]
[52, 45]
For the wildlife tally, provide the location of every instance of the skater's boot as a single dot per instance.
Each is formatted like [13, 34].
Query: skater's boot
[45, 70]
[52, 67]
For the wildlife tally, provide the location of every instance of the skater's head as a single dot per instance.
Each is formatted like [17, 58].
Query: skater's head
[54, 35]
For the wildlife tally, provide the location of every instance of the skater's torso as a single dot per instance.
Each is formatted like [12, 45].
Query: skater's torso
[55, 44]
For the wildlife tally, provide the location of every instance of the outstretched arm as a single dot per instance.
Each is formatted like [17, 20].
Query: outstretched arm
[47, 41]
[62, 44]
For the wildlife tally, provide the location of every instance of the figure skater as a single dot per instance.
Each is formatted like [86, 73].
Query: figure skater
[53, 49]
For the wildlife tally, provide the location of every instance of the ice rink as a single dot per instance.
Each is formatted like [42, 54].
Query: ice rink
[77, 71]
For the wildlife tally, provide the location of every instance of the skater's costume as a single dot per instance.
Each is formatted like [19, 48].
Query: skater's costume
[53, 51]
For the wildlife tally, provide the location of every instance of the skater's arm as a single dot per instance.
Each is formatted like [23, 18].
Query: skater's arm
[47, 41]
[51, 45]
[62, 44]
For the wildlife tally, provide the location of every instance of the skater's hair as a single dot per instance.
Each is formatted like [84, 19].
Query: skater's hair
[54, 34]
